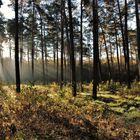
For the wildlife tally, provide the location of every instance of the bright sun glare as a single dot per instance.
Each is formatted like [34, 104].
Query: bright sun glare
[8, 14]
[6, 10]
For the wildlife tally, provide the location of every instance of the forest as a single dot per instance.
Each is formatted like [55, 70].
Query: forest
[70, 70]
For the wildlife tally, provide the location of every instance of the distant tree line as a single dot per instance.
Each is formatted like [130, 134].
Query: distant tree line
[101, 37]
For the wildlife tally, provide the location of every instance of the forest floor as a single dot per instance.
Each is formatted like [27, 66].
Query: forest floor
[48, 113]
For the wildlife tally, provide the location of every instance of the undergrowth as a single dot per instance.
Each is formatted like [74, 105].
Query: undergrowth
[46, 112]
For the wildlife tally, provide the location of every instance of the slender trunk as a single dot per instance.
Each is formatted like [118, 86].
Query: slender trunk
[95, 50]
[89, 70]
[122, 32]
[2, 58]
[100, 65]
[111, 55]
[72, 50]
[68, 44]
[106, 50]
[21, 38]
[138, 35]
[57, 45]
[45, 51]
[118, 61]
[21, 50]
[17, 70]
[121, 61]
[57, 59]
[28, 55]
[42, 50]
[32, 51]
[62, 44]
[65, 67]
[1, 55]
[81, 47]
[54, 55]
[127, 46]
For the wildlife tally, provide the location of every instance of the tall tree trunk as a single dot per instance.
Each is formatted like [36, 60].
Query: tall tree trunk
[57, 48]
[45, 51]
[1, 55]
[120, 50]
[28, 55]
[54, 55]
[42, 50]
[21, 50]
[122, 32]
[81, 46]
[32, 52]
[138, 34]
[89, 70]
[100, 64]
[62, 44]
[72, 50]
[21, 36]
[107, 55]
[111, 55]
[127, 46]
[57, 58]
[117, 47]
[68, 45]
[95, 50]
[65, 67]
[17, 70]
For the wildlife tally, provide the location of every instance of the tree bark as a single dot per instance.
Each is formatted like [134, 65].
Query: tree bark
[138, 35]
[72, 50]
[95, 50]
[107, 55]
[68, 45]
[81, 46]
[17, 70]
[122, 32]
[42, 50]
[127, 47]
[117, 47]
[62, 44]
[32, 50]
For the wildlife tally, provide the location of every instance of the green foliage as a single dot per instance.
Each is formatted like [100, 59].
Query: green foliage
[133, 114]
[39, 111]
[118, 109]
[21, 135]
[112, 87]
